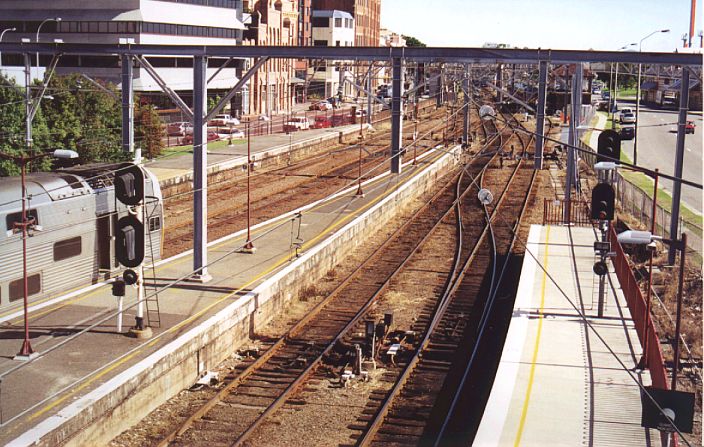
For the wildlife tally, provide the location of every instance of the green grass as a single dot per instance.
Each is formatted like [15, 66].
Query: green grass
[692, 220]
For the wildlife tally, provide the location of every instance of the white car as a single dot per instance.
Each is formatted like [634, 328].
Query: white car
[224, 120]
[264, 118]
[231, 133]
[297, 123]
[628, 118]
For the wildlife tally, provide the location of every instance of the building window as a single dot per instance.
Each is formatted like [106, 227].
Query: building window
[338, 22]
[68, 248]
[10, 219]
[34, 286]
[154, 223]
[320, 22]
[320, 43]
[337, 43]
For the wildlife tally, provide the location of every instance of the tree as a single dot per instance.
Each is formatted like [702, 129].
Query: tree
[85, 119]
[149, 130]
[413, 42]
[13, 129]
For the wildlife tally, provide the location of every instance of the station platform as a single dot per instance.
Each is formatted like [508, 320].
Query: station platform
[557, 383]
[90, 381]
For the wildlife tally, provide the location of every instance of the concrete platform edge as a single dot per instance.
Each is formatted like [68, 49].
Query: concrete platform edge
[122, 401]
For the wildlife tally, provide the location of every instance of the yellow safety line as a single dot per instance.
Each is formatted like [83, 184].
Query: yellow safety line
[276, 265]
[526, 402]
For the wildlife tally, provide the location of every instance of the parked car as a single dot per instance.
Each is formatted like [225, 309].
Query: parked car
[179, 128]
[628, 132]
[606, 95]
[231, 133]
[296, 123]
[321, 122]
[360, 113]
[224, 120]
[320, 105]
[689, 127]
[188, 139]
[627, 118]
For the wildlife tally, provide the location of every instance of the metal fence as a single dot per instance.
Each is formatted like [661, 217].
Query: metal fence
[641, 319]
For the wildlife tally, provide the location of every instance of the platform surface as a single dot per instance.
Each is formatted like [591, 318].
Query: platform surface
[557, 383]
[63, 375]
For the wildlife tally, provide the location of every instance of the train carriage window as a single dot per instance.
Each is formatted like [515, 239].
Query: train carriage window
[67, 248]
[154, 223]
[10, 219]
[34, 286]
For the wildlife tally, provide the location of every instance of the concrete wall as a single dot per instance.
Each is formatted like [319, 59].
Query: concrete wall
[125, 399]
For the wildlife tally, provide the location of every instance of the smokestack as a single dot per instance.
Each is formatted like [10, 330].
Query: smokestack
[691, 21]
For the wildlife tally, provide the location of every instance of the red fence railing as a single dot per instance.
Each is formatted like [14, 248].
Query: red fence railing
[637, 306]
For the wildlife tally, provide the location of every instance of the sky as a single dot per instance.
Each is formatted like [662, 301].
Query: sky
[566, 24]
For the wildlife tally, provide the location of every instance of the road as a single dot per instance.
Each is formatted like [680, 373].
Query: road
[657, 134]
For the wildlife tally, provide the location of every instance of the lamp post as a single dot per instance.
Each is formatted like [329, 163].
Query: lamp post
[39, 28]
[2, 33]
[26, 223]
[635, 130]
[613, 106]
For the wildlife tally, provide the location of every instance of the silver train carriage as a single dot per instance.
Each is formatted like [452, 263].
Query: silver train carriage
[73, 241]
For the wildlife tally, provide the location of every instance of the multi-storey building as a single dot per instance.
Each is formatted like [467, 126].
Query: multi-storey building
[272, 89]
[332, 29]
[164, 22]
[366, 14]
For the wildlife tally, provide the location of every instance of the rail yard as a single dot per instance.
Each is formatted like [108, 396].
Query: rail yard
[438, 247]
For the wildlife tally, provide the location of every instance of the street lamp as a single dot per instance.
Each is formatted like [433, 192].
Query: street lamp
[2, 33]
[26, 352]
[39, 28]
[635, 130]
[612, 99]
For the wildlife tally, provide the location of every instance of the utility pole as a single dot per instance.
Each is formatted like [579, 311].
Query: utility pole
[679, 162]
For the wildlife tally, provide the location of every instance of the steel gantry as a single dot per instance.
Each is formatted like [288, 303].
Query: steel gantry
[396, 56]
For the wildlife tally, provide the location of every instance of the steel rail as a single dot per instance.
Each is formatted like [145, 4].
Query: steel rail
[292, 332]
[488, 307]
[360, 314]
[382, 413]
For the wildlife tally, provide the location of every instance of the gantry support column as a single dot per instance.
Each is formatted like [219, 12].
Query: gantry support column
[540, 114]
[466, 92]
[369, 93]
[396, 118]
[571, 178]
[200, 175]
[127, 105]
[679, 163]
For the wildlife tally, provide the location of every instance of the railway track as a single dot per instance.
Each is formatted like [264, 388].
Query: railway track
[321, 339]
[282, 189]
[413, 412]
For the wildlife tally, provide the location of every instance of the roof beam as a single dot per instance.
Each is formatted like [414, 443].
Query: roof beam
[164, 87]
[440, 54]
[218, 107]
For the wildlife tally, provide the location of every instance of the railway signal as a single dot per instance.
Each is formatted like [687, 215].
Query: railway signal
[129, 238]
[603, 197]
[609, 145]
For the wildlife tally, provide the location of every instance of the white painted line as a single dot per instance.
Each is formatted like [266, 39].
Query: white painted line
[494, 418]
[688, 149]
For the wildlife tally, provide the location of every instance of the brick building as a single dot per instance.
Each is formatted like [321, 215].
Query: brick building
[272, 88]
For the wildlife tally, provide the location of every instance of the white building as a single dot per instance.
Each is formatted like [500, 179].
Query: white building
[331, 28]
[161, 22]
